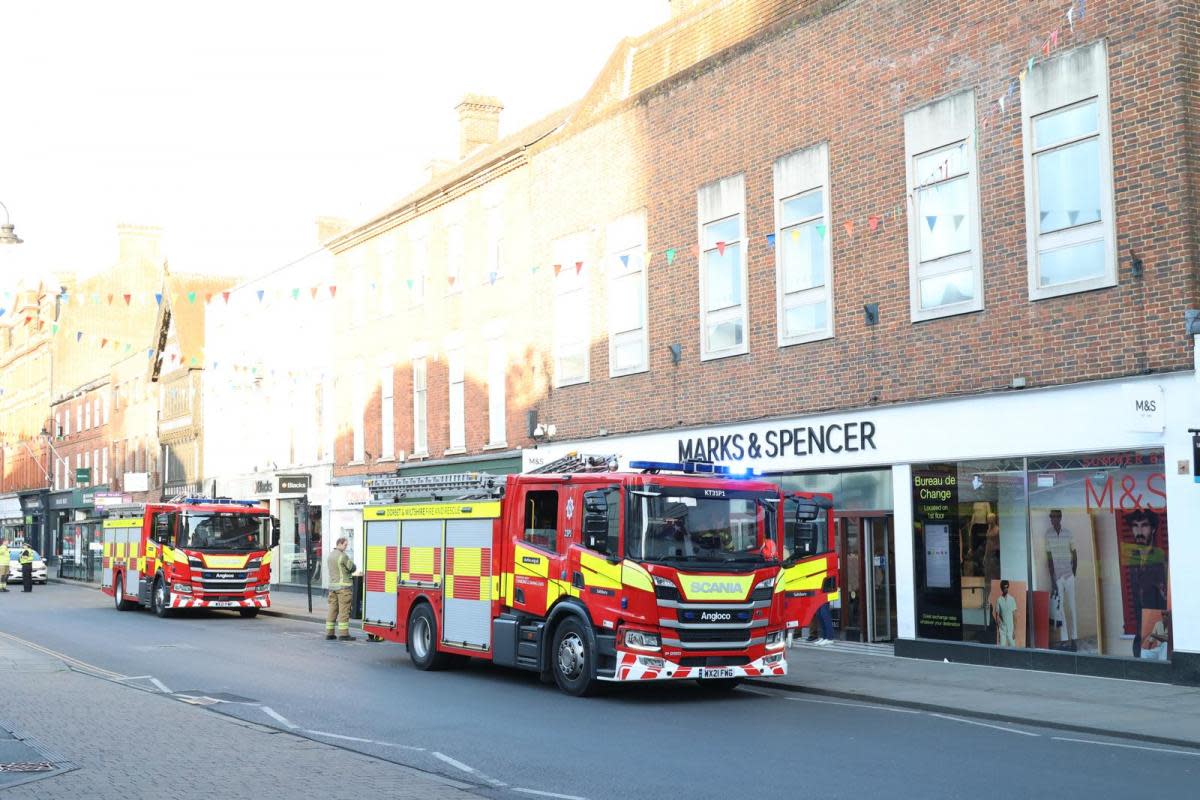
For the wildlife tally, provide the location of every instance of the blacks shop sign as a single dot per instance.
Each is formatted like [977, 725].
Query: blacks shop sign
[294, 484]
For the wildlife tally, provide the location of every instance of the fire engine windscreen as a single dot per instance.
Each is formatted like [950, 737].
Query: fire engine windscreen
[226, 531]
[674, 524]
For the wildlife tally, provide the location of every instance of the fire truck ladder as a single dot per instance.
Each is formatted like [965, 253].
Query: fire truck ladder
[578, 462]
[451, 486]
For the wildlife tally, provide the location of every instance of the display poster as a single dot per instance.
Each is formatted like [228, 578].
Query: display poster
[936, 535]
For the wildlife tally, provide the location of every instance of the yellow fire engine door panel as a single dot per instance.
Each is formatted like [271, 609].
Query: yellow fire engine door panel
[383, 570]
[467, 588]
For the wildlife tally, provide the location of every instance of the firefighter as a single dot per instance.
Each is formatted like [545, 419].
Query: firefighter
[340, 569]
[26, 562]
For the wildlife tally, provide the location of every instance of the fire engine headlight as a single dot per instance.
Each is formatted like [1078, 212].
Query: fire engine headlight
[182, 588]
[262, 588]
[641, 640]
[661, 581]
[775, 640]
[768, 583]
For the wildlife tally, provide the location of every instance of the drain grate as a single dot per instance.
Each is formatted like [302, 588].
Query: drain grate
[28, 766]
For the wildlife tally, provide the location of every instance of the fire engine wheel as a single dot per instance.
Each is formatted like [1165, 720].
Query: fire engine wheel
[119, 594]
[160, 600]
[573, 661]
[422, 640]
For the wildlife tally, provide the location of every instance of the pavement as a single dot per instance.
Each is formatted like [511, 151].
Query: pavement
[1135, 710]
[80, 732]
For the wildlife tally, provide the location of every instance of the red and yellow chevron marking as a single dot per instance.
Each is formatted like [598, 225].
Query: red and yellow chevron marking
[383, 568]
[468, 573]
[420, 564]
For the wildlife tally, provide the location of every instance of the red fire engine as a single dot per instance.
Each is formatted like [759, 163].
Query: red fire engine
[197, 553]
[583, 573]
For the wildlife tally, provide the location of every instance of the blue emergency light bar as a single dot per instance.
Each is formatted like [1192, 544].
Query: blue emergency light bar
[692, 468]
[218, 501]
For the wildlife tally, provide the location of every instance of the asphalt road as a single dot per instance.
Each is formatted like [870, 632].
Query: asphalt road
[514, 737]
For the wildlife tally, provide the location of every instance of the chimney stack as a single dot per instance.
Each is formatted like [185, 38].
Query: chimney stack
[681, 7]
[478, 123]
[330, 228]
[139, 244]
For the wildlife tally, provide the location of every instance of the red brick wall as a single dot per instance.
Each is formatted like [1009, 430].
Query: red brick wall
[847, 77]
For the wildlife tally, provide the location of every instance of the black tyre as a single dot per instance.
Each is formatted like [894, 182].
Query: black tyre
[572, 660]
[160, 598]
[248, 613]
[719, 684]
[422, 640]
[119, 600]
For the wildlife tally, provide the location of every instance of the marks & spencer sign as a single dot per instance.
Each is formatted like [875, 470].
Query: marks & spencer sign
[792, 441]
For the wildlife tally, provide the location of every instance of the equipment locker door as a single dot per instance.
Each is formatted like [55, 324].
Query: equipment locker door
[467, 589]
[383, 568]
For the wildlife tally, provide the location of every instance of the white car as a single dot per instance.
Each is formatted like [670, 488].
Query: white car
[14, 566]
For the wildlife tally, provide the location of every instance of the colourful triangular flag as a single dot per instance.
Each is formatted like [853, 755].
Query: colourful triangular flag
[158, 299]
[208, 297]
[931, 221]
[450, 280]
[225, 297]
[314, 292]
[103, 342]
[295, 293]
[260, 294]
[409, 282]
[54, 329]
[492, 278]
[79, 336]
[958, 220]
[770, 240]
[557, 269]
[821, 229]
[873, 222]
[110, 297]
[670, 256]
[578, 267]
[332, 290]
[128, 298]
[721, 248]
[625, 260]
[849, 226]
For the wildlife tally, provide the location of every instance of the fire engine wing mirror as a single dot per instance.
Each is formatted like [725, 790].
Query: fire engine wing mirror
[809, 508]
[274, 531]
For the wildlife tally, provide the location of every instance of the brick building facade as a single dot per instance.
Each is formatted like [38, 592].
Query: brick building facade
[860, 246]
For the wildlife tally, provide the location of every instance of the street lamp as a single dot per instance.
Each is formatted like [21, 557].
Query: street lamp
[7, 235]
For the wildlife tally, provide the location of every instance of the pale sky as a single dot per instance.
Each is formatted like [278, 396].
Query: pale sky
[235, 124]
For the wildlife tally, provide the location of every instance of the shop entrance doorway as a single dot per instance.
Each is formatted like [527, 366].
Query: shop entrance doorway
[866, 552]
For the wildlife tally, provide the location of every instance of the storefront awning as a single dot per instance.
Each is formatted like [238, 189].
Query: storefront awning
[10, 507]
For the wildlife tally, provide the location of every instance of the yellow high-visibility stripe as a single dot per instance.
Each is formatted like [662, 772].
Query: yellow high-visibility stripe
[803, 577]
[598, 572]
[635, 576]
[477, 509]
[130, 522]
[530, 562]
[376, 557]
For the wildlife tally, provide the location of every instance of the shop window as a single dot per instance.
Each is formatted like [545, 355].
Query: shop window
[1065, 552]
[541, 519]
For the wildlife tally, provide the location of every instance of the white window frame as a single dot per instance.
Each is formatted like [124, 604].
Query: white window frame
[387, 413]
[419, 265]
[387, 275]
[1072, 78]
[716, 202]
[87, 415]
[497, 386]
[626, 244]
[455, 253]
[797, 174]
[420, 387]
[358, 285]
[104, 465]
[66, 428]
[943, 125]
[104, 405]
[456, 394]
[571, 283]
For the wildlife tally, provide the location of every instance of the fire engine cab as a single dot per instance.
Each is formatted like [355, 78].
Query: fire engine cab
[194, 553]
[583, 573]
